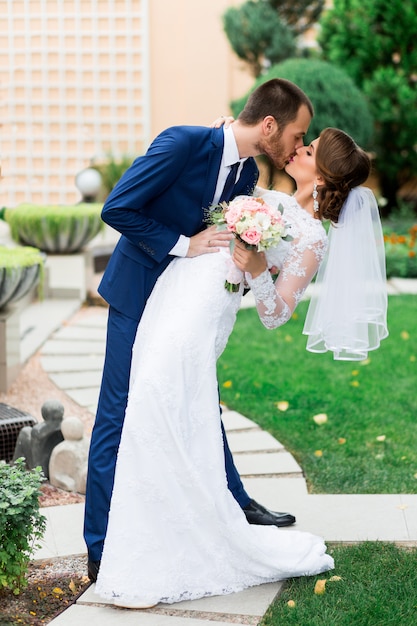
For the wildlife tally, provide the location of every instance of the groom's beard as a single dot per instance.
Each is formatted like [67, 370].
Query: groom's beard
[275, 151]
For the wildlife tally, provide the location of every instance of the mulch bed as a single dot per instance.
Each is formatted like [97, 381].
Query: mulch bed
[53, 585]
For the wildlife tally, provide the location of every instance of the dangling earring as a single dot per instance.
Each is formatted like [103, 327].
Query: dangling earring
[315, 201]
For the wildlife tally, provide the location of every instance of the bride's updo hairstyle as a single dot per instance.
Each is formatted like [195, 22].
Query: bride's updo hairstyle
[343, 165]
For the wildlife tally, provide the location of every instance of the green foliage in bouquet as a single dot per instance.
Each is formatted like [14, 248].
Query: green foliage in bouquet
[21, 523]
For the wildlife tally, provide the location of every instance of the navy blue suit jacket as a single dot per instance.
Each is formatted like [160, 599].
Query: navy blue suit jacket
[164, 194]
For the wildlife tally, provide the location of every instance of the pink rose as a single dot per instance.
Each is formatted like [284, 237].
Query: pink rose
[252, 236]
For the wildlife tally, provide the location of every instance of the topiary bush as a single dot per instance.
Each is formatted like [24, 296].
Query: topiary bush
[21, 523]
[55, 228]
[336, 99]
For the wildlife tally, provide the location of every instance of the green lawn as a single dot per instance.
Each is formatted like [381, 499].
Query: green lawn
[377, 587]
[367, 445]
[369, 442]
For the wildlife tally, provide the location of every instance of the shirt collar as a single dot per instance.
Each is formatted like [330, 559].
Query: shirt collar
[230, 151]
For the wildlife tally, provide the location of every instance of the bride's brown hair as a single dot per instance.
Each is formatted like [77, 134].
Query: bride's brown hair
[342, 164]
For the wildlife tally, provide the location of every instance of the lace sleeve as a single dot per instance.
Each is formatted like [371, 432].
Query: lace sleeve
[276, 302]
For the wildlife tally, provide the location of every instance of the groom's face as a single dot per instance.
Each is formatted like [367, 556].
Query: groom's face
[282, 144]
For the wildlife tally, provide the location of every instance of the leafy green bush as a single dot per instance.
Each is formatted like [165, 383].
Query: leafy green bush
[111, 170]
[374, 42]
[336, 99]
[401, 253]
[21, 523]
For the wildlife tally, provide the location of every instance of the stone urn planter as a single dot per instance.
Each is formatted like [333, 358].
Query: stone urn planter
[56, 229]
[20, 271]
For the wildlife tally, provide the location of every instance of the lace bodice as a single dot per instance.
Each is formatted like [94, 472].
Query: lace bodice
[297, 260]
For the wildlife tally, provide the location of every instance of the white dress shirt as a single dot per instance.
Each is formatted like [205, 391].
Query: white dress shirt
[230, 156]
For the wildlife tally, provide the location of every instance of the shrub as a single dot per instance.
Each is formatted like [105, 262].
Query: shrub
[401, 253]
[336, 99]
[21, 523]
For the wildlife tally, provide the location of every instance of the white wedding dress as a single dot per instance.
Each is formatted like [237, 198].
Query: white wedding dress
[175, 531]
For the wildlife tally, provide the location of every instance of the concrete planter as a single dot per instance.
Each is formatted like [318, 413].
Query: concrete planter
[59, 229]
[20, 271]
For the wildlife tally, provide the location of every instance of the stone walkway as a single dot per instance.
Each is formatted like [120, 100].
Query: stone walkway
[73, 356]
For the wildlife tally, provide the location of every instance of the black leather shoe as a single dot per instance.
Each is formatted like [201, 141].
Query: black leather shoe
[258, 514]
[93, 567]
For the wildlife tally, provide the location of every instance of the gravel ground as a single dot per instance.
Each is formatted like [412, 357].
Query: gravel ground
[32, 388]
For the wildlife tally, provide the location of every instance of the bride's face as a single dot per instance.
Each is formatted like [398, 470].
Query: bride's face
[302, 167]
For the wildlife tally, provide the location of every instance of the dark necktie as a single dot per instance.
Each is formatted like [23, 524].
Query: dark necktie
[230, 183]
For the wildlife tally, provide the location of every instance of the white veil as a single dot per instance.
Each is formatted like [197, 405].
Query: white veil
[348, 309]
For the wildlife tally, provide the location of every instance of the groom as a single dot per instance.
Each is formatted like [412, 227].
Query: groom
[159, 206]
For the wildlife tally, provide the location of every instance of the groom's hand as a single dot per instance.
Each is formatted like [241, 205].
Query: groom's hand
[209, 240]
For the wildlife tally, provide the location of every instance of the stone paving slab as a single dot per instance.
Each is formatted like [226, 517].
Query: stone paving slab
[61, 347]
[266, 463]
[402, 285]
[70, 363]
[81, 333]
[64, 531]
[344, 518]
[274, 490]
[82, 615]
[39, 320]
[232, 420]
[76, 380]
[84, 397]
[253, 601]
[98, 320]
[252, 441]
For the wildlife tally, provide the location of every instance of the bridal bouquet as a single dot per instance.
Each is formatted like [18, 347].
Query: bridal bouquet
[253, 221]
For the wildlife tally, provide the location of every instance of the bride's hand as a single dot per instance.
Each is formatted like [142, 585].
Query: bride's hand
[249, 261]
[222, 120]
[209, 240]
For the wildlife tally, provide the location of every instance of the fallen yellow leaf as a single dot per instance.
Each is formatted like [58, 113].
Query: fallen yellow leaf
[365, 362]
[320, 587]
[283, 405]
[291, 604]
[227, 384]
[405, 335]
[72, 587]
[334, 579]
[321, 418]
[57, 590]
[381, 438]
[341, 440]
[318, 453]
[355, 372]
[355, 383]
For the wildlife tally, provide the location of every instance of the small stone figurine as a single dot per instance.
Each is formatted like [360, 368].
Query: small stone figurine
[68, 463]
[35, 443]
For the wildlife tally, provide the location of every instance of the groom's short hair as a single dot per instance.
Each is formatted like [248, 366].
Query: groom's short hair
[277, 97]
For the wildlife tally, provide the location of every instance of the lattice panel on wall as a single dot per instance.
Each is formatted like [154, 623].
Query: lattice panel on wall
[73, 88]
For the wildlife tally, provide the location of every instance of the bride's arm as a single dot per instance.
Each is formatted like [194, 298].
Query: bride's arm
[276, 302]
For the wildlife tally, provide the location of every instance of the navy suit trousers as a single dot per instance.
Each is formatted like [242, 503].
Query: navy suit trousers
[105, 439]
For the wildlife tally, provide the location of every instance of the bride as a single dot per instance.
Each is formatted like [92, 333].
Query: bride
[175, 531]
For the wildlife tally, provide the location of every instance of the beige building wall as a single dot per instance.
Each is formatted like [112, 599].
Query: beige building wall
[81, 79]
